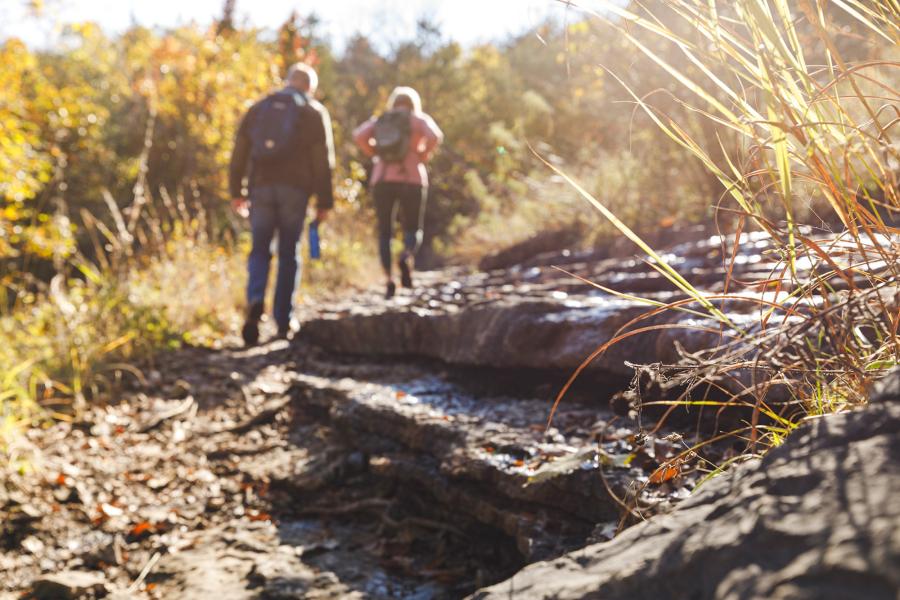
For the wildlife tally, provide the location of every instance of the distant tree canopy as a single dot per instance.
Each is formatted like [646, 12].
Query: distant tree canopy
[150, 109]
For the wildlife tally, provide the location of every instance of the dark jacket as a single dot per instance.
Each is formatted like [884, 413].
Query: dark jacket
[308, 166]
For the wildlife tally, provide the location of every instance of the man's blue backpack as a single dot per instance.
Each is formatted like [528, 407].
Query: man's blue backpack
[274, 130]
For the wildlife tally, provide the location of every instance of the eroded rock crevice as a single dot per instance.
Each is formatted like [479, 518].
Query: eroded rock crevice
[815, 518]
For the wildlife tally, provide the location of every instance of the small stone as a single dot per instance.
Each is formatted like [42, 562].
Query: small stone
[887, 389]
[33, 545]
[111, 552]
[248, 543]
[158, 483]
[30, 513]
[66, 495]
[181, 390]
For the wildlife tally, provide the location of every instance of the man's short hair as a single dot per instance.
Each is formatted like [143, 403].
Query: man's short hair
[302, 75]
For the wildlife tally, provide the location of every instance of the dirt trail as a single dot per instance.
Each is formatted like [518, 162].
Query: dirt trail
[179, 484]
[233, 481]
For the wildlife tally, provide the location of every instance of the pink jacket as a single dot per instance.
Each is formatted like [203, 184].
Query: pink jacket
[424, 138]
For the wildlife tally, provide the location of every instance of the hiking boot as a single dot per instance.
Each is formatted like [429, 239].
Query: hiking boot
[390, 291]
[250, 330]
[284, 333]
[405, 271]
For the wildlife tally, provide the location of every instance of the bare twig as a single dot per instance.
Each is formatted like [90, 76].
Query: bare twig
[151, 563]
[159, 418]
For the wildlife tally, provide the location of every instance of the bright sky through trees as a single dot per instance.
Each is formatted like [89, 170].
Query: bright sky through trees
[467, 21]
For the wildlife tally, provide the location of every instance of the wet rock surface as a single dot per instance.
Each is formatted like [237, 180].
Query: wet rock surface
[815, 518]
[526, 250]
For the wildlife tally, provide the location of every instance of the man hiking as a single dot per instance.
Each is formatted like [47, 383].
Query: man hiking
[284, 147]
[401, 141]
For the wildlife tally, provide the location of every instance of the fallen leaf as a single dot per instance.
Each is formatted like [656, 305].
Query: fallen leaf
[562, 466]
[255, 515]
[621, 461]
[140, 529]
[667, 221]
[665, 473]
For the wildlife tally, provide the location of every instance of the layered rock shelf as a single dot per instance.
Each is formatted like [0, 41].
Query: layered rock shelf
[484, 458]
[536, 316]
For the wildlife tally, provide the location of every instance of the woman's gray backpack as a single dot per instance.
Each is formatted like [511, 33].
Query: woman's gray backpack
[392, 135]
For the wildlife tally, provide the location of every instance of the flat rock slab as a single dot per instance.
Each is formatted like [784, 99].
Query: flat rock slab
[541, 317]
[248, 563]
[817, 518]
[509, 333]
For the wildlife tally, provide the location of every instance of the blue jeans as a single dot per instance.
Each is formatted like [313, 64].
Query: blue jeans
[282, 209]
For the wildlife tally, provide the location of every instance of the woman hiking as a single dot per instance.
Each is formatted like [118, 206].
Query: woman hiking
[400, 141]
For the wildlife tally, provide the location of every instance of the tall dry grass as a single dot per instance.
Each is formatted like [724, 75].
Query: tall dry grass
[152, 277]
[808, 154]
[151, 282]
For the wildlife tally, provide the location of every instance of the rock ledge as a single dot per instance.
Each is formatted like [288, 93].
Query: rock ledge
[817, 518]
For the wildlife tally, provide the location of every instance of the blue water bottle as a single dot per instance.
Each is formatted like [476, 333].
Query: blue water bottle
[314, 252]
